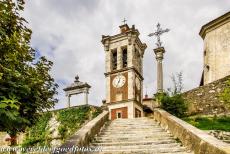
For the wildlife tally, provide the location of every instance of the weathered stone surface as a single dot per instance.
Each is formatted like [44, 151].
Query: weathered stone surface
[86, 133]
[205, 99]
[4, 136]
[216, 35]
[53, 125]
[139, 135]
[190, 136]
[221, 135]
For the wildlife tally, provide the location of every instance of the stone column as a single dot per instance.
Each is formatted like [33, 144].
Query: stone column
[86, 98]
[159, 57]
[119, 58]
[68, 103]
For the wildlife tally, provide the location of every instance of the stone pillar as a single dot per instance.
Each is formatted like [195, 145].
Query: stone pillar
[86, 98]
[119, 58]
[68, 105]
[159, 57]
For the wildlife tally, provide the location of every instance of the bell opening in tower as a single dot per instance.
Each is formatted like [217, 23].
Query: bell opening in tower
[124, 59]
[114, 59]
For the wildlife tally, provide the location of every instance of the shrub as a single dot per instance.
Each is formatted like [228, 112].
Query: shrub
[37, 134]
[225, 95]
[96, 113]
[172, 100]
[175, 105]
[72, 119]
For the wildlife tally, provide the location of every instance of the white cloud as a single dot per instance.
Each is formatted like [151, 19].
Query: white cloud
[69, 32]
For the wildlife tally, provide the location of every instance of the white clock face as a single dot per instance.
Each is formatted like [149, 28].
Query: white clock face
[138, 85]
[119, 81]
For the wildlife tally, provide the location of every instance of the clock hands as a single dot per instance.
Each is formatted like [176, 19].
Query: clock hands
[118, 82]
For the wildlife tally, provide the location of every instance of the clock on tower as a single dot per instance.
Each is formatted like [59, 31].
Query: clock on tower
[124, 73]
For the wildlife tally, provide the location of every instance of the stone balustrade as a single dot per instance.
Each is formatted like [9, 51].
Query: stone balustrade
[191, 137]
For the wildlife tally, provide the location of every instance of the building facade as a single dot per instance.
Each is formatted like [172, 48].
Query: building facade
[216, 36]
[124, 73]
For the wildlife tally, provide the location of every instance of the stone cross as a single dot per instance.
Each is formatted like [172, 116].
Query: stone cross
[124, 21]
[159, 52]
[158, 33]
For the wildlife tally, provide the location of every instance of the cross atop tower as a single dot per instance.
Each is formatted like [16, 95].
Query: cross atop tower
[158, 33]
[124, 21]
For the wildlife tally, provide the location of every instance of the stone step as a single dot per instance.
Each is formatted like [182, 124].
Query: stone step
[140, 136]
[133, 138]
[140, 126]
[141, 151]
[143, 142]
[134, 130]
[154, 150]
[137, 138]
[130, 135]
[125, 142]
[134, 147]
[131, 123]
[151, 132]
[134, 122]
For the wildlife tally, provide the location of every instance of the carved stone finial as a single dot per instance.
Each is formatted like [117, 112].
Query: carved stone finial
[76, 78]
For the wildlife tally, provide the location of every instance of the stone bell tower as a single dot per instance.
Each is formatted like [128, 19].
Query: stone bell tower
[124, 73]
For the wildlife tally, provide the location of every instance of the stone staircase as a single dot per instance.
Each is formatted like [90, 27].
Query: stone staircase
[139, 135]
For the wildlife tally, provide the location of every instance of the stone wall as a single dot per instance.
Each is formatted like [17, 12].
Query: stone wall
[5, 143]
[221, 135]
[191, 137]
[205, 99]
[83, 136]
[3, 136]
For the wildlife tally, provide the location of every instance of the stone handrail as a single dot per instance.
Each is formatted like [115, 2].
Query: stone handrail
[82, 136]
[191, 137]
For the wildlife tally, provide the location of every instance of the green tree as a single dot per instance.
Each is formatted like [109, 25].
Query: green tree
[26, 86]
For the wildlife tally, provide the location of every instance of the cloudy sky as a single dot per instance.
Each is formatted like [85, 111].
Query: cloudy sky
[68, 32]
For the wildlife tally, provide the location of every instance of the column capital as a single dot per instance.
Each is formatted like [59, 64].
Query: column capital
[159, 52]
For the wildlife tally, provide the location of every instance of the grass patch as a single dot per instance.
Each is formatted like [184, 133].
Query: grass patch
[210, 123]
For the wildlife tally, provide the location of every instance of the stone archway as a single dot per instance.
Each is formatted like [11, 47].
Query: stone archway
[76, 88]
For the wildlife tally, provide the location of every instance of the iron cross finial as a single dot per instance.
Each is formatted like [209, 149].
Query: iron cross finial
[158, 33]
[124, 21]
